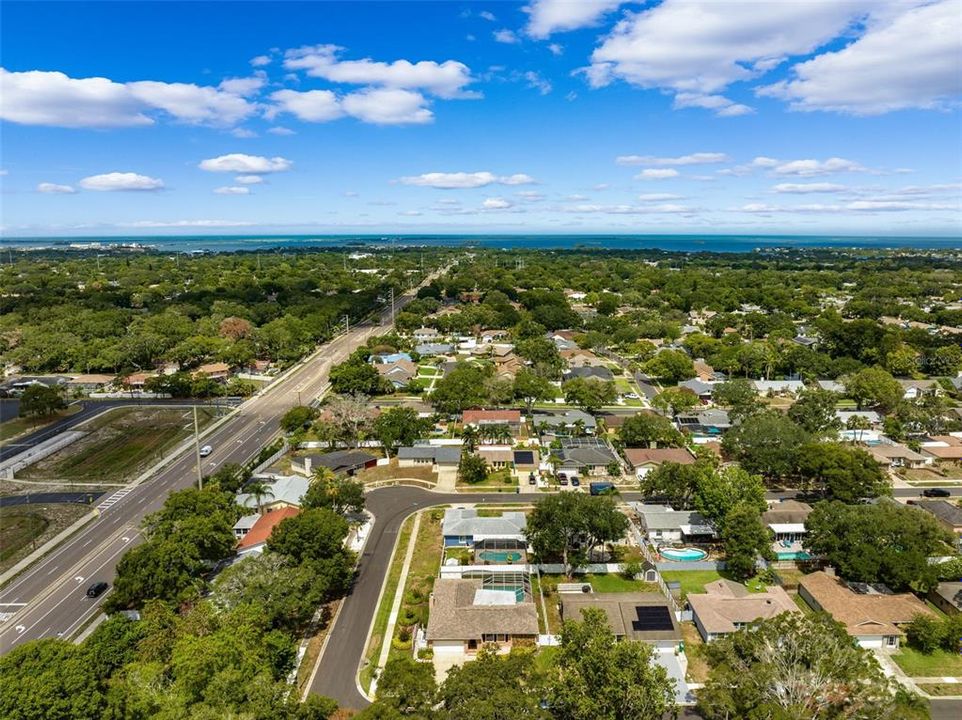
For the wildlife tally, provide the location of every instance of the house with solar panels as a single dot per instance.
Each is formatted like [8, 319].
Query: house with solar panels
[647, 617]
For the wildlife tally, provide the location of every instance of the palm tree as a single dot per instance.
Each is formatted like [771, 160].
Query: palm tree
[259, 490]
[470, 436]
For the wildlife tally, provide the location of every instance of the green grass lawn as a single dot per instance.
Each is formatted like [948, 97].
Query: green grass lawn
[120, 444]
[938, 664]
[376, 640]
[942, 689]
[24, 527]
[694, 581]
[18, 529]
[20, 425]
[499, 479]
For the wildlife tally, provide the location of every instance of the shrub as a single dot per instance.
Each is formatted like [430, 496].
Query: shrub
[425, 653]
[404, 635]
[925, 633]
[399, 644]
[631, 569]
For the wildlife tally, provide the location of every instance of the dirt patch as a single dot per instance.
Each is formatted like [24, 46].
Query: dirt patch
[25, 527]
[119, 445]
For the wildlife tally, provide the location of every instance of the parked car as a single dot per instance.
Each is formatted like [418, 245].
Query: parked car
[206, 450]
[562, 478]
[97, 589]
[532, 480]
[575, 482]
[936, 492]
[632, 396]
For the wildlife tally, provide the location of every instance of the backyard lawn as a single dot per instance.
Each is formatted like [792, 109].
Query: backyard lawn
[694, 581]
[939, 664]
[20, 425]
[119, 445]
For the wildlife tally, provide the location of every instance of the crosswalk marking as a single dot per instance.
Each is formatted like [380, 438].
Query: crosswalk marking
[115, 498]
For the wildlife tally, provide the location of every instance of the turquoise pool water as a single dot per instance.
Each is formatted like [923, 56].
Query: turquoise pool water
[500, 556]
[800, 555]
[683, 554]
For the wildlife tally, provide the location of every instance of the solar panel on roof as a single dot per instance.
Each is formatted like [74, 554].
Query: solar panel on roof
[525, 457]
[651, 617]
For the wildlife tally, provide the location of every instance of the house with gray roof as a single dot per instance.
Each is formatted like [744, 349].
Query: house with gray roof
[442, 459]
[589, 372]
[560, 423]
[947, 597]
[664, 524]
[431, 349]
[340, 462]
[585, 456]
[284, 491]
[714, 421]
[464, 527]
[701, 388]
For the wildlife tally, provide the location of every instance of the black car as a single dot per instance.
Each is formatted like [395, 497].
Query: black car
[96, 589]
[532, 480]
[936, 492]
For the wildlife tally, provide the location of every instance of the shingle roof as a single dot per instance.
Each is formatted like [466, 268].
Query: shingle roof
[621, 612]
[722, 606]
[590, 372]
[862, 614]
[787, 511]
[455, 616]
[288, 489]
[947, 512]
[465, 522]
[342, 459]
[951, 592]
[656, 456]
[441, 454]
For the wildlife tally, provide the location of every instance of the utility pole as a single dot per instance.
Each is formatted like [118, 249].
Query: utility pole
[392, 305]
[347, 324]
[200, 476]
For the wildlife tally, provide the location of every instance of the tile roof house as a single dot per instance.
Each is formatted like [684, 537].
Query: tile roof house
[634, 616]
[346, 462]
[285, 491]
[91, 381]
[644, 460]
[581, 358]
[873, 619]
[463, 527]
[255, 538]
[399, 373]
[727, 606]
[463, 617]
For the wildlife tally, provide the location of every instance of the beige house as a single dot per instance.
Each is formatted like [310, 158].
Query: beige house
[464, 616]
[898, 456]
[874, 619]
[636, 616]
[728, 606]
[644, 460]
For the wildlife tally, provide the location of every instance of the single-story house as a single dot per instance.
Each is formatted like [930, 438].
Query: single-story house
[255, 538]
[947, 597]
[430, 349]
[943, 448]
[340, 462]
[874, 619]
[585, 456]
[399, 373]
[463, 527]
[727, 606]
[443, 459]
[507, 366]
[898, 456]
[831, 385]
[871, 418]
[499, 457]
[714, 421]
[90, 381]
[526, 461]
[914, 389]
[463, 617]
[490, 336]
[581, 358]
[948, 514]
[786, 520]
[136, 381]
[664, 524]
[425, 334]
[778, 387]
[561, 423]
[644, 460]
[215, 371]
[286, 491]
[387, 358]
[634, 616]
[702, 388]
[477, 418]
[244, 525]
[590, 372]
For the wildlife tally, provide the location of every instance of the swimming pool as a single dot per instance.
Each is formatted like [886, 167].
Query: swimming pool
[500, 556]
[683, 554]
[796, 555]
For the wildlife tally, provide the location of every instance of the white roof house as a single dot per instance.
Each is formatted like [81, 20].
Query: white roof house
[466, 523]
[763, 387]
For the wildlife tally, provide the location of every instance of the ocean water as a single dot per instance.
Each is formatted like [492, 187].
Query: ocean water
[676, 243]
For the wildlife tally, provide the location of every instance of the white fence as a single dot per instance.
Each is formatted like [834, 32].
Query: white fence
[38, 452]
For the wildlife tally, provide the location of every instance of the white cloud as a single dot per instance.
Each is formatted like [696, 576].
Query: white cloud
[186, 223]
[245, 164]
[762, 161]
[806, 188]
[809, 168]
[658, 197]
[410, 213]
[721, 105]
[657, 174]
[310, 106]
[496, 203]
[505, 36]
[550, 16]
[909, 61]
[699, 158]
[623, 209]
[489, 16]
[193, 103]
[530, 195]
[556, 49]
[447, 79]
[248, 179]
[855, 206]
[244, 86]
[537, 82]
[461, 180]
[698, 48]
[282, 131]
[121, 181]
[387, 106]
[243, 133]
[232, 190]
[759, 208]
[260, 60]
[46, 187]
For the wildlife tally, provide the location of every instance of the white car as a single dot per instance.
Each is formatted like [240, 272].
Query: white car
[632, 396]
[206, 450]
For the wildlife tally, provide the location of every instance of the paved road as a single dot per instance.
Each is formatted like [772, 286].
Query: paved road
[48, 599]
[91, 409]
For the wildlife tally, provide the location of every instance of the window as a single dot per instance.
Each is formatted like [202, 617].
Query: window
[494, 637]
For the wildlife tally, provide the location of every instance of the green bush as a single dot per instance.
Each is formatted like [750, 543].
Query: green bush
[925, 633]
[631, 569]
[399, 644]
[425, 653]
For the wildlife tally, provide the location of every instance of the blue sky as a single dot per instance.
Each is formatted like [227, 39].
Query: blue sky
[837, 116]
